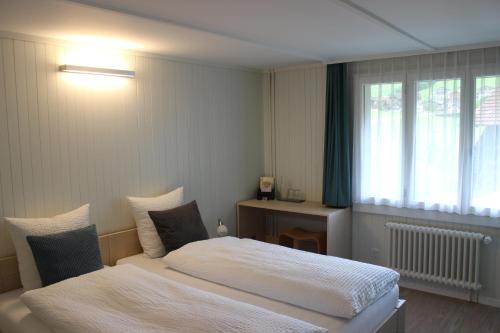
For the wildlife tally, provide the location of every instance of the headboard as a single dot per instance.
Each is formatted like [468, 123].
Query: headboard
[113, 246]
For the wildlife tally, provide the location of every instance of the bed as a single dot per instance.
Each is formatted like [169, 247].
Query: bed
[367, 321]
[15, 317]
[385, 315]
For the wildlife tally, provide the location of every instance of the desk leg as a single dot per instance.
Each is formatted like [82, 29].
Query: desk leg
[339, 233]
[251, 223]
[273, 237]
[274, 230]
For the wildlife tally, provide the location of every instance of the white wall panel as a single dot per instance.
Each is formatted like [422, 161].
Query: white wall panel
[294, 128]
[63, 145]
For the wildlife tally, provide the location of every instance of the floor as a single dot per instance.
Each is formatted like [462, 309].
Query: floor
[429, 313]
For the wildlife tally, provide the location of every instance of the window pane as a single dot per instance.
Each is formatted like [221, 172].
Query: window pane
[486, 146]
[382, 142]
[435, 180]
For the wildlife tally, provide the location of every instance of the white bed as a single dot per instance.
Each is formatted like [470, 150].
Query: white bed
[367, 321]
[330, 285]
[15, 317]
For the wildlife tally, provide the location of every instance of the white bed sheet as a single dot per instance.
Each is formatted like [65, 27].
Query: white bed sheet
[367, 321]
[15, 317]
[127, 298]
[331, 285]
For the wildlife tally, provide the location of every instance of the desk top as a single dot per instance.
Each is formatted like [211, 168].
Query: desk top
[307, 207]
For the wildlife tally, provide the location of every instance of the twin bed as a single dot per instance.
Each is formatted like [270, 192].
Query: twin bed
[384, 315]
[75, 281]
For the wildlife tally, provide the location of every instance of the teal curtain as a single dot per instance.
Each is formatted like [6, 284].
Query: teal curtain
[337, 191]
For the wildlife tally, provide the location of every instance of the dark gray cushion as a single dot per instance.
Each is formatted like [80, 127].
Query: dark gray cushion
[65, 255]
[179, 226]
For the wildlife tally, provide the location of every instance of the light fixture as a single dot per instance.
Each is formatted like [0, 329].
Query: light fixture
[96, 71]
[221, 229]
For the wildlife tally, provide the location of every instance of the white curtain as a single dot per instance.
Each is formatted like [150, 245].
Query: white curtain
[427, 132]
[485, 178]
[378, 132]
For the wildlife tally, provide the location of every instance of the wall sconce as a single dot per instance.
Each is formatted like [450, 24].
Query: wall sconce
[96, 71]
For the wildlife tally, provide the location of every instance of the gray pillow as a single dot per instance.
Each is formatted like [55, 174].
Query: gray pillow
[179, 226]
[67, 254]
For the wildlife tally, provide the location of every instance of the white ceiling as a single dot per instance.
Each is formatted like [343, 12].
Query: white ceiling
[442, 23]
[261, 33]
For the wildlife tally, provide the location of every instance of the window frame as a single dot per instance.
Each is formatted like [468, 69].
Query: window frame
[412, 80]
[360, 82]
[409, 80]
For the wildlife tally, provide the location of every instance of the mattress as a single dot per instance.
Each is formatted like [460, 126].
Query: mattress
[367, 321]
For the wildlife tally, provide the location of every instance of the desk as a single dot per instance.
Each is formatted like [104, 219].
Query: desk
[252, 216]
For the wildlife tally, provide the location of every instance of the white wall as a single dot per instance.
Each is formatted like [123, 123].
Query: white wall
[294, 122]
[294, 125]
[65, 142]
[298, 154]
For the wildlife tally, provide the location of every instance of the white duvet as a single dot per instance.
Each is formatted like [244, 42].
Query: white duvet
[330, 285]
[126, 298]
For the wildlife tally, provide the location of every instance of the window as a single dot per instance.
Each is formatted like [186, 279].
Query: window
[435, 179]
[430, 141]
[382, 155]
[485, 182]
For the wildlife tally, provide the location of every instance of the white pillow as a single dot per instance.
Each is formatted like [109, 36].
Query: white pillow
[19, 228]
[148, 236]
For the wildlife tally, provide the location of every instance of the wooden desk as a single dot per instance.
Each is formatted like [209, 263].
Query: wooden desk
[252, 215]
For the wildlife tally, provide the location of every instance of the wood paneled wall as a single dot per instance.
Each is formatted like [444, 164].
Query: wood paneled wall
[294, 126]
[63, 143]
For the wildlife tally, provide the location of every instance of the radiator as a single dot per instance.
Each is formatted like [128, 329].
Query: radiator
[444, 256]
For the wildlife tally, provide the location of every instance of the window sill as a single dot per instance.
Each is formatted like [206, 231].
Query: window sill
[421, 214]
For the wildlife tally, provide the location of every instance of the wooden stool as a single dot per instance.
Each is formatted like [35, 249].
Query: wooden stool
[292, 237]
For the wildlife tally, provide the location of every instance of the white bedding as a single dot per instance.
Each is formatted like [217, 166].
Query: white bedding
[126, 298]
[367, 321]
[330, 285]
[15, 317]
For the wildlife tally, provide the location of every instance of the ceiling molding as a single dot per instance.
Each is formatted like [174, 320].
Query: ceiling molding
[467, 47]
[63, 43]
[377, 19]
[286, 50]
[296, 67]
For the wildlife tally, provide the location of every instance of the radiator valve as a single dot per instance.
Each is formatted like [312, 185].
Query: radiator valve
[487, 240]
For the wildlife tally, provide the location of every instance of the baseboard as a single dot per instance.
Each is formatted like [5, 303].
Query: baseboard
[446, 291]
[433, 289]
[489, 301]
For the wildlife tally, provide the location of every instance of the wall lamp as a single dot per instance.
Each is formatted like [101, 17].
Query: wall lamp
[96, 71]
